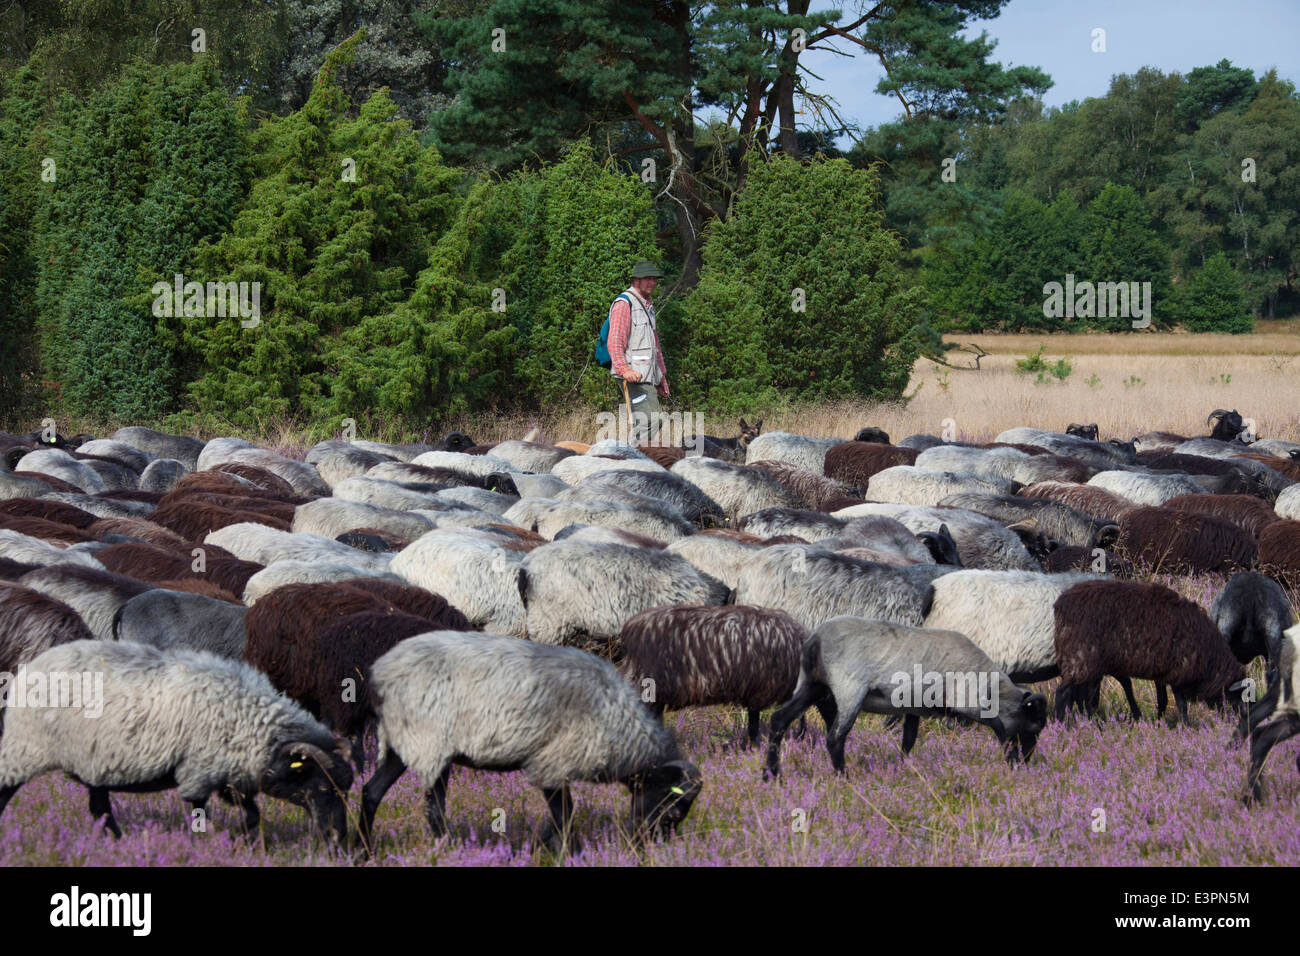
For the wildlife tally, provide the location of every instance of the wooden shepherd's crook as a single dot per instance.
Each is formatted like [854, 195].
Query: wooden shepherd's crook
[628, 400]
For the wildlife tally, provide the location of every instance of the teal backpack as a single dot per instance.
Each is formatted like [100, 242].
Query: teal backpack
[602, 342]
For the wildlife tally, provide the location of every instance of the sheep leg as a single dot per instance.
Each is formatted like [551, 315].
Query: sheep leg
[556, 834]
[801, 730]
[1180, 701]
[805, 694]
[1064, 693]
[101, 806]
[358, 743]
[373, 792]
[1133, 708]
[435, 803]
[911, 724]
[839, 734]
[1162, 699]
[252, 815]
[7, 794]
[1264, 738]
[827, 709]
[753, 726]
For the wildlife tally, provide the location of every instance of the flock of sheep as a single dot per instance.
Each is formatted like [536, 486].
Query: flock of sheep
[536, 607]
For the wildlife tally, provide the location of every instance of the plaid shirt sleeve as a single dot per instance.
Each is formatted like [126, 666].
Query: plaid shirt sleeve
[620, 327]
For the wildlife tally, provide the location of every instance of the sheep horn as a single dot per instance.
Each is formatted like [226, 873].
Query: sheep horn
[1024, 526]
[1217, 413]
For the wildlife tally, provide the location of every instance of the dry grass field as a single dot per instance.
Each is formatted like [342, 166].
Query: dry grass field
[1127, 383]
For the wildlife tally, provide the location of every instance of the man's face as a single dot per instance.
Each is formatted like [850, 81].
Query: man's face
[645, 286]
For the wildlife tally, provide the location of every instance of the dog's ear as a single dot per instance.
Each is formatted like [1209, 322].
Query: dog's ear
[758, 425]
[743, 426]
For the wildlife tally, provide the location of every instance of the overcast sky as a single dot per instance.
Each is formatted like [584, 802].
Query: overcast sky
[1056, 35]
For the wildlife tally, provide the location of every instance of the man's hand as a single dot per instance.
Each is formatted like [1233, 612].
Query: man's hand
[663, 389]
[632, 375]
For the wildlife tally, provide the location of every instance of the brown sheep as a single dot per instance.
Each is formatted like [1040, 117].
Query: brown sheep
[143, 529]
[268, 481]
[1283, 466]
[1184, 542]
[1134, 629]
[663, 455]
[31, 623]
[1090, 500]
[1069, 557]
[200, 586]
[195, 520]
[263, 506]
[43, 529]
[67, 514]
[152, 564]
[854, 462]
[1279, 552]
[702, 656]
[812, 489]
[1246, 512]
[11, 570]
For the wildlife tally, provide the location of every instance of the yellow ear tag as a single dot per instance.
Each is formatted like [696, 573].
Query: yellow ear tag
[679, 791]
[295, 765]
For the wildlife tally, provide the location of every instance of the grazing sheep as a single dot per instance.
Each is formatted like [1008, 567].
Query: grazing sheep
[798, 450]
[909, 485]
[476, 571]
[577, 468]
[49, 510]
[1145, 489]
[809, 525]
[166, 619]
[1097, 560]
[738, 490]
[853, 664]
[719, 554]
[1249, 514]
[59, 464]
[397, 452]
[1082, 497]
[1252, 612]
[919, 443]
[981, 541]
[28, 550]
[156, 444]
[1097, 454]
[479, 499]
[814, 490]
[606, 534]
[281, 573]
[665, 456]
[495, 703]
[1288, 503]
[388, 493]
[1278, 474]
[1274, 447]
[704, 656]
[530, 456]
[548, 516]
[614, 448]
[330, 517]
[161, 474]
[302, 477]
[1279, 552]
[30, 624]
[1008, 614]
[106, 448]
[1059, 522]
[965, 459]
[337, 460]
[575, 590]
[181, 720]
[297, 637]
[891, 541]
[153, 565]
[94, 594]
[472, 466]
[854, 463]
[257, 542]
[50, 531]
[673, 490]
[195, 520]
[104, 507]
[282, 511]
[1275, 717]
[813, 585]
[1184, 542]
[1135, 629]
[141, 529]
[1083, 431]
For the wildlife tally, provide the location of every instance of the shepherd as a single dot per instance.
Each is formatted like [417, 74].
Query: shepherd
[635, 356]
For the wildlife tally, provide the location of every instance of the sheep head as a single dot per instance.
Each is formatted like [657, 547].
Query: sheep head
[662, 797]
[314, 779]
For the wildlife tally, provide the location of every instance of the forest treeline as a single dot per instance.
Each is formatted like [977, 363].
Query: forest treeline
[428, 205]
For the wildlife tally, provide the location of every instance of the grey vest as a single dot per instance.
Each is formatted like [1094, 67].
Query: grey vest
[642, 341]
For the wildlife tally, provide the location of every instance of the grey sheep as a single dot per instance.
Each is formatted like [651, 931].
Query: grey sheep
[104, 507]
[337, 461]
[182, 448]
[1145, 489]
[180, 720]
[797, 450]
[852, 664]
[673, 490]
[576, 590]
[395, 495]
[738, 490]
[166, 619]
[96, 595]
[256, 542]
[1276, 716]
[479, 499]
[576, 468]
[719, 555]
[547, 516]
[813, 489]
[495, 703]
[476, 466]
[476, 571]
[530, 456]
[1059, 522]
[57, 463]
[909, 485]
[397, 452]
[704, 656]
[981, 541]
[1097, 454]
[813, 585]
[1252, 612]
[17, 546]
[161, 474]
[314, 571]
[330, 517]
[809, 525]
[302, 477]
[124, 454]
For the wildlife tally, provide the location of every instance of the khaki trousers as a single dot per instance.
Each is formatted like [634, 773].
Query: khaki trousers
[645, 411]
